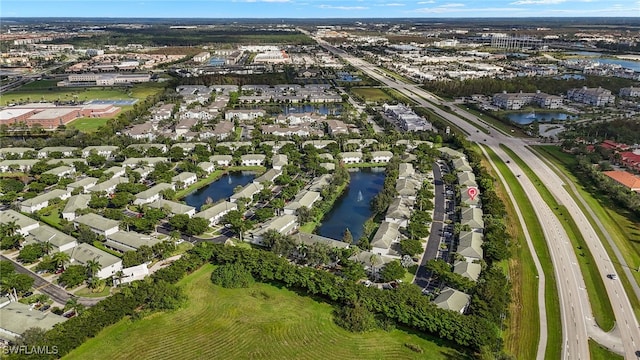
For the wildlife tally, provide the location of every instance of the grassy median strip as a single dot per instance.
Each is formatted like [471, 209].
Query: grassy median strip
[599, 352]
[600, 304]
[521, 339]
[622, 229]
[260, 322]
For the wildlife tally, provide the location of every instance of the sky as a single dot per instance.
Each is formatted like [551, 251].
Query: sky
[319, 8]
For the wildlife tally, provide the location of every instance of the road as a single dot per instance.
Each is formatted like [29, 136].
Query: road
[437, 227]
[577, 320]
[55, 292]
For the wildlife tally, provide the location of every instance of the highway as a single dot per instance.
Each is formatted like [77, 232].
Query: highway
[577, 320]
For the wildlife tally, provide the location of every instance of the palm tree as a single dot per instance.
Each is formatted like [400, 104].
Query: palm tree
[61, 259]
[73, 304]
[9, 229]
[119, 275]
[47, 247]
[93, 266]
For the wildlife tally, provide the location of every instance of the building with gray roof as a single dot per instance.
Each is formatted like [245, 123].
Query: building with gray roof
[124, 241]
[98, 224]
[16, 318]
[216, 212]
[284, 224]
[246, 192]
[386, 234]
[472, 217]
[469, 270]
[174, 208]
[42, 201]
[24, 223]
[82, 253]
[451, 299]
[86, 184]
[152, 194]
[470, 245]
[310, 239]
[304, 198]
[46, 234]
[75, 202]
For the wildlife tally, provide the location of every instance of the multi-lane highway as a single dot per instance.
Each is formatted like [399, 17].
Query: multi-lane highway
[577, 320]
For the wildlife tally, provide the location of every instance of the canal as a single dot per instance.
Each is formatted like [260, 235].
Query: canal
[352, 209]
[219, 189]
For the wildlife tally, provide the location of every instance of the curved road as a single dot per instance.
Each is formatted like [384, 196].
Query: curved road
[577, 319]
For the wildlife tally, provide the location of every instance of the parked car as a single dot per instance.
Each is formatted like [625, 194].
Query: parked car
[27, 294]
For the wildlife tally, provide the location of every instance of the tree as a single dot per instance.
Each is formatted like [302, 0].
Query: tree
[74, 305]
[264, 214]
[411, 247]
[93, 266]
[73, 276]
[237, 222]
[304, 214]
[197, 225]
[232, 276]
[347, 237]
[121, 199]
[392, 271]
[30, 253]
[355, 318]
[60, 259]
[179, 221]
[85, 235]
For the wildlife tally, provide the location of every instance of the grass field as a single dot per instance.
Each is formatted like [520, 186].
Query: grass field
[262, 322]
[622, 227]
[522, 335]
[45, 90]
[599, 352]
[600, 304]
[371, 94]
[87, 124]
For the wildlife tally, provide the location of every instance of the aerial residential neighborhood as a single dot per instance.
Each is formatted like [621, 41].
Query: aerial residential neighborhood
[450, 189]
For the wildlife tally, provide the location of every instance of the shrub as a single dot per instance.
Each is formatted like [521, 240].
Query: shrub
[355, 318]
[232, 276]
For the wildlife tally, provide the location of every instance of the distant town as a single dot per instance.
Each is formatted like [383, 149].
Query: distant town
[465, 189]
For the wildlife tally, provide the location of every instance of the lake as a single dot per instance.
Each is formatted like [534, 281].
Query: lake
[352, 209]
[528, 118]
[321, 109]
[219, 189]
[597, 56]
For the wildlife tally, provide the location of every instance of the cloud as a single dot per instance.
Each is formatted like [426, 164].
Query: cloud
[442, 8]
[392, 4]
[426, 2]
[537, 2]
[345, 8]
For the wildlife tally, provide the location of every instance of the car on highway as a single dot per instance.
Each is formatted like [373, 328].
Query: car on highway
[613, 276]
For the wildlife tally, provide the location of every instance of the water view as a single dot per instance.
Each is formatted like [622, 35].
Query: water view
[528, 118]
[352, 209]
[597, 56]
[219, 189]
[321, 109]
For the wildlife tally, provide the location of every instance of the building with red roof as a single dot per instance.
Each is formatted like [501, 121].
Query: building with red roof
[625, 178]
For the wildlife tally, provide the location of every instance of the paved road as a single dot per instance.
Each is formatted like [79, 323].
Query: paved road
[436, 231]
[577, 318]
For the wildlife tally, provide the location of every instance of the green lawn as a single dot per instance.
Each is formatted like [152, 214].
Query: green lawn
[371, 94]
[617, 222]
[86, 292]
[599, 352]
[262, 322]
[600, 304]
[522, 335]
[44, 90]
[87, 124]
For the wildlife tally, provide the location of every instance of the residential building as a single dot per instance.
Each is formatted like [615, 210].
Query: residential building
[106, 150]
[467, 200]
[61, 171]
[467, 178]
[591, 96]
[252, 160]
[98, 224]
[216, 212]
[450, 153]
[310, 239]
[15, 151]
[630, 92]
[284, 224]
[145, 161]
[406, 170]
[279, 161]
[207, 167]
[386, 235]
[318, 144]
[18, 318]
[174, 208]
[269, 176]
[470, 270]
[46, 234]
[66, 151]
[470, 246]
[109, 186]
[184, 179]
[221, 160]
[116, 171]
[42, 201]
[352, 157]
[83, 253]
[381, 156]
[454, 300]
[473, 218]
[408, 188]
[25, 224]
[304, 198]
[84, 184]
[124, 241]
[246, 192]
[75, 202]
[399, 211]
[336, 127]
[244, 115]
[17, 165]
[152, 194]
